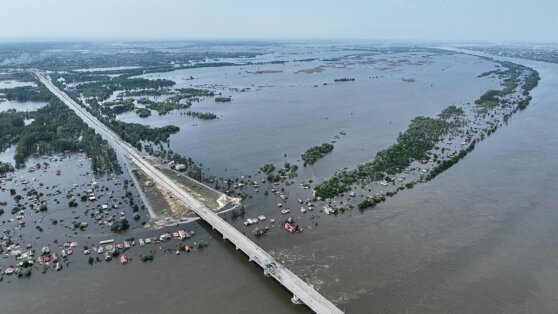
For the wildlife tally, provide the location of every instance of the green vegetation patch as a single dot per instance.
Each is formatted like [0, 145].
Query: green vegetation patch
[451, 112]
[511, 78]
[423, 133]
[146, 92]
[134, 133]
[202, 115]
[268, 168]
[27, 93]
[143, 112]
[312, 155]
[488, 73]
[176, 102]
[223, 99]
[56, 128]
[147, 258]
[119, 106]
[489, 99]
[104, 88]
[11, 126]
[371, 202]
[531, 81]
[287, 171]
[5, 168]
[446, 164]
[344, 79]
[414, 143]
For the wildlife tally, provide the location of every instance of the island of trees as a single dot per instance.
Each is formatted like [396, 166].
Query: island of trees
[422, 134]
[312, 155]
[143, 112]
[37, 92]
[344, 79]
[103, 87]
[27, 93]
[164, 107]
[417, 142]
[287, 171]
[54, 129]
[133, 133]
[182, 98]
[223, 99]
[202, 115]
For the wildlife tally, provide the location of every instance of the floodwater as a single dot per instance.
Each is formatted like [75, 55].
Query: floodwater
[13, 84]
[21, 106]
[481, 237]
[106, 69]
[282, 113]
[75, 178]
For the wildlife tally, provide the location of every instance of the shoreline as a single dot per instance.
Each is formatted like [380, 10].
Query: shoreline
[478, 121]
[137, 230]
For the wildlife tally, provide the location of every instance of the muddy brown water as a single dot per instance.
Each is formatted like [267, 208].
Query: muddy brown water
[481, 237]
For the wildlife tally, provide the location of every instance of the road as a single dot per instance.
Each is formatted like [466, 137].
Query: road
[302, 292]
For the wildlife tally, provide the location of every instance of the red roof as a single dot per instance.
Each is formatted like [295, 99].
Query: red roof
[44, 258]
[289, 227]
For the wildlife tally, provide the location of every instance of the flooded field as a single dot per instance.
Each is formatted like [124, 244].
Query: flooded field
[21, 106]
[479, 237]
[13, 84]
[282, 113]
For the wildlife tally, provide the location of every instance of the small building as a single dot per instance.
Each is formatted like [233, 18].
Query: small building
[183, 234]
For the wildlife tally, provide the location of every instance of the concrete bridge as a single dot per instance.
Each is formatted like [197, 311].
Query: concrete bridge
[302, 292]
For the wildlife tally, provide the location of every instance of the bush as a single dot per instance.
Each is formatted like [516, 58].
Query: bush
[147, 258]
[120, 225]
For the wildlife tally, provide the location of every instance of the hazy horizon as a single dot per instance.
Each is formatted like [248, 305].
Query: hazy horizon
[393, 20]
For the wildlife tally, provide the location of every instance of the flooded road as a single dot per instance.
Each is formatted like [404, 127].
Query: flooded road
[480, 237]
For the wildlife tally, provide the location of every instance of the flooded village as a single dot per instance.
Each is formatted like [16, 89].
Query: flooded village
[278, 157]
[282, 187]
[61, 213]
[69, 208]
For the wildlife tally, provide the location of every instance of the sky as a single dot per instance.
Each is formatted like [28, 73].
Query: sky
[496, 21]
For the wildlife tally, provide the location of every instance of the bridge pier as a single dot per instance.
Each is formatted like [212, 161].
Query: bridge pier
[296, 300]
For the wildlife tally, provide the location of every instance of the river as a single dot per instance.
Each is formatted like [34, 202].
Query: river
[481, 237]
